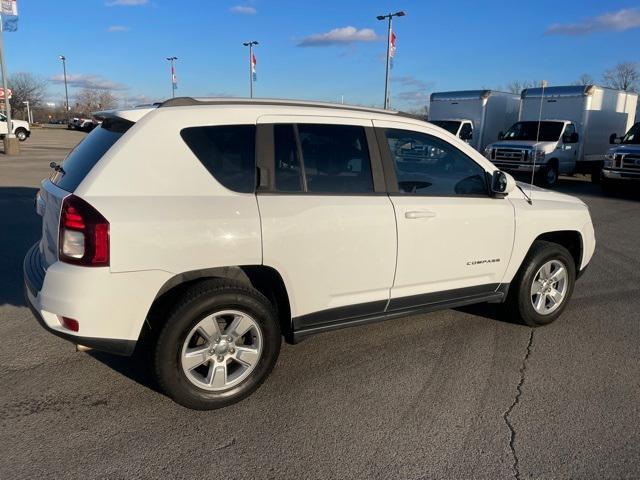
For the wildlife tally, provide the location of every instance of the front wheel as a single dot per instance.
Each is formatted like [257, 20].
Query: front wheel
[21, 134]
[217, 346]
[542, 288]
[549, 175]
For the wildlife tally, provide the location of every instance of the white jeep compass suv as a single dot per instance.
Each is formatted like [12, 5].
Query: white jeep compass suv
[207, 229]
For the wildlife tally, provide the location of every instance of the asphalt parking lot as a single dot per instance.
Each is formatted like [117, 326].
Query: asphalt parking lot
[455, 394]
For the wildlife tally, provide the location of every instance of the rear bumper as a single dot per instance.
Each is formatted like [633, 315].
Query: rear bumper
[33, 281]
[109, 307]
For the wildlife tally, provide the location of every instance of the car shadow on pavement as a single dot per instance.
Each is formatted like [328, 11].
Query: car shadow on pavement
[20, 227]
[136, 367]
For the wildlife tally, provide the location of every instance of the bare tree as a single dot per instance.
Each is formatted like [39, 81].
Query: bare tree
[516, 86]
[26, 87]
[584, 79]
[624, 76]
[90, 100]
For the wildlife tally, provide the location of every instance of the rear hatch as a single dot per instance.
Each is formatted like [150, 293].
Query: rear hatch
[68, 176]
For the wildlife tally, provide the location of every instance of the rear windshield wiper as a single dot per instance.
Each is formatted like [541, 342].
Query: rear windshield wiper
[57, 168]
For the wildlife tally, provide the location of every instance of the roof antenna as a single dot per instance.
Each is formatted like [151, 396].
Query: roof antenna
[543, 84]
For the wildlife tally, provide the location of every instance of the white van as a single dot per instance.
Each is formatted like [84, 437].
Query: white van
[475, 116]
[573, 135]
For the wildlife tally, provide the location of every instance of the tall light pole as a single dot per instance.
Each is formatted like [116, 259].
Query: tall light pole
[386, 76]
[174, 83]
[250, 45]
[11, 144]
[66, 90]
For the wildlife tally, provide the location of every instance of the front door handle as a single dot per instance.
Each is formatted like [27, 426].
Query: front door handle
[419, 214]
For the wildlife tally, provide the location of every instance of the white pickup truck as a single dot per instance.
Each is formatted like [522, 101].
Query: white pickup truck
[21, 128]
[572, 135]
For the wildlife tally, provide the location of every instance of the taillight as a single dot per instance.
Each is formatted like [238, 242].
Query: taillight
[84, 234]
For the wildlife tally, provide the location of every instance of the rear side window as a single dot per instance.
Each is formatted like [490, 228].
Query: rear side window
[228, 152]
[287, 162]
[335, 159]
[88, 152]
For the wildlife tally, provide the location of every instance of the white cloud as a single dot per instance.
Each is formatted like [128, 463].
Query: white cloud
[619, 21]
[126, 3]
[243, 10]
[82, 80]
[339, 36]
[118, 28]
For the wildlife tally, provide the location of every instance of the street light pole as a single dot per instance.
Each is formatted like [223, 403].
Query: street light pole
[66, 91]
[386, 74]
[173, 76]
[250, 45]
[11, 145]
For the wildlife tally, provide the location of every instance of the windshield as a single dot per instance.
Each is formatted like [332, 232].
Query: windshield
[87, 153]
[549, 131]
[633, 135]
[450, 126]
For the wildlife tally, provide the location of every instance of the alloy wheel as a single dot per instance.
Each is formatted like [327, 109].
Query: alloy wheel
[549, 287]
[221, 350]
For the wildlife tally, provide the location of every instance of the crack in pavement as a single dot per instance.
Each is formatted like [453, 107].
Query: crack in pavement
[507, 414]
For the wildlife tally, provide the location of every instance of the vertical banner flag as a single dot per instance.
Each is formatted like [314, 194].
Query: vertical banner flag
[392, 48]
[253, 67]
[9, 12]
[174, 79]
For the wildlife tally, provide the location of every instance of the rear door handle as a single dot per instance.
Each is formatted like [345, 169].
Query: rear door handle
[419, 214]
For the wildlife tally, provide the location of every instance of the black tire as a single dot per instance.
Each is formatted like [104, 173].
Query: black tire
[198, 302]
[21, 134]
[519, 305]
[548, 176]
[596, 174]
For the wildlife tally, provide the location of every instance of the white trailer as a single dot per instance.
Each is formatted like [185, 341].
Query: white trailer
[475, 116]
[573, 135]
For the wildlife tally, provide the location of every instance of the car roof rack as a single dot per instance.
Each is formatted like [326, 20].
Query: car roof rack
[191, 101]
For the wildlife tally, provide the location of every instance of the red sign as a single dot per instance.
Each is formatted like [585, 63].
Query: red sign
[2, 93]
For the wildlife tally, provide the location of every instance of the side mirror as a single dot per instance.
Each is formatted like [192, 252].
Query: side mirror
[501, 135]
[614, 139]
[502, 183]
[574, 137]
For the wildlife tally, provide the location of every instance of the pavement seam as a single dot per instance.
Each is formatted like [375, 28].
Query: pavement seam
[507, 414]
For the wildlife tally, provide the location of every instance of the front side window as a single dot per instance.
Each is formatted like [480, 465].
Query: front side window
[466, 132]
[332, 159]
[227, 152]
[427, 165]
[569, 130]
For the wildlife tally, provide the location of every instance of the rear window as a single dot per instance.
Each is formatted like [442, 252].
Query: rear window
[228, 152]
[87, 153]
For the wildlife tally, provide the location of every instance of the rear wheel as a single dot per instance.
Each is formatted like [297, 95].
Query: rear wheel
[217, 346]
[541, 290]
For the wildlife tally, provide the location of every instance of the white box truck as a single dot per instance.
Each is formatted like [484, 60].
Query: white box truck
[475, 116]
[572, 136]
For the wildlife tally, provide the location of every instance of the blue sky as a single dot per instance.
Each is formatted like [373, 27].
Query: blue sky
[122, 44]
